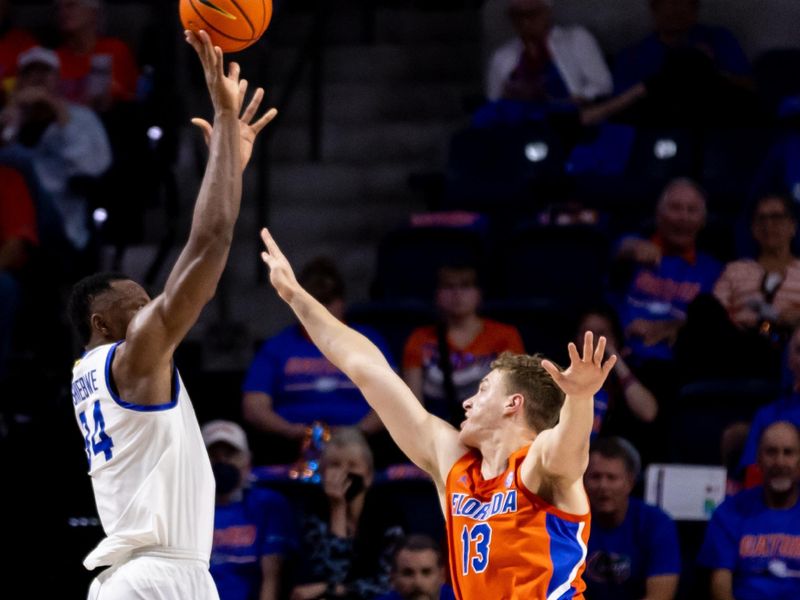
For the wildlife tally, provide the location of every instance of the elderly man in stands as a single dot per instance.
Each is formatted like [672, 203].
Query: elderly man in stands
[633, 550]
[752, 543]
[667, 272]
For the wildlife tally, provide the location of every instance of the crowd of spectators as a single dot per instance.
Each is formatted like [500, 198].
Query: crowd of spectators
[676, 308]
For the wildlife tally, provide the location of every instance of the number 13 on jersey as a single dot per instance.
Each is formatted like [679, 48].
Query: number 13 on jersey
[475, 543]
[96, 439]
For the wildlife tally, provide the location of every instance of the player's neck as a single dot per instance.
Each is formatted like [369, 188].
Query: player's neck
[497, 448]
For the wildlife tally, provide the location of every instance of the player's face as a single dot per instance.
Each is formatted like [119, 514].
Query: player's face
[457, 294]
[484, 410]
[680, 216]
[608, 484]
[417, 575]
[779, 458]
[119, 305]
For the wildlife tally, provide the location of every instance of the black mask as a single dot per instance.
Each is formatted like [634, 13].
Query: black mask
[227, 476]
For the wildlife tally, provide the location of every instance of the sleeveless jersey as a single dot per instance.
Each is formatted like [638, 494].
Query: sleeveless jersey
[151, 475]
[506, 543]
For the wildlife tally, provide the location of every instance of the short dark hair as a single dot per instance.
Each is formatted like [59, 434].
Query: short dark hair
[788, 205]
[79, 305]
[417, 542]
[322, 280]
[524, 374]
[619, 448]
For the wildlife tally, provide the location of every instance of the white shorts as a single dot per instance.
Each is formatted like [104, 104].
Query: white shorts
[155, 578]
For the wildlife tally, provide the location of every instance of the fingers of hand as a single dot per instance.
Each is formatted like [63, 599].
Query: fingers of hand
[588, 346]
[242, 92]
[266, 118]
[573, 353]
[551, 369]
[600, 351]
[233, 71]
[612, 360]
[252, 107]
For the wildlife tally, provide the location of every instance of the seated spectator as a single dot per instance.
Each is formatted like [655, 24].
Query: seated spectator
[443, 364]
[786, 408]
[18, 235]
[622, 395]
[752, 540]
[68, 140]
[764, 294]
[633, 549]
[253, 528]
[668, 272]
[96, 70]
[13, 42]
[418, 571]
[347, 551]
[692, 71]
[546, 62]
[290, 385]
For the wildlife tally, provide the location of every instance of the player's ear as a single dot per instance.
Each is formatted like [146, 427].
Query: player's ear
[99, 324]
[514, 403]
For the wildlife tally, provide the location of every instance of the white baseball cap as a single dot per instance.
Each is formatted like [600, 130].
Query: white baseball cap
[225, 431]
[39, 55]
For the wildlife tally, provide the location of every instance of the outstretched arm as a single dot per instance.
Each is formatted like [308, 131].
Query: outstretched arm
[562, 453]
[428, 441]
[157, 329]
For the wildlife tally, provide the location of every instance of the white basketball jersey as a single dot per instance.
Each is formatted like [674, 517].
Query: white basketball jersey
[151, 475]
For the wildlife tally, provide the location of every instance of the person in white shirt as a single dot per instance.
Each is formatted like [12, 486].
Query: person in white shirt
[151, 475]
[546, 61]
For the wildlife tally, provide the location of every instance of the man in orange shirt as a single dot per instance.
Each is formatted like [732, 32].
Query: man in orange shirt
[510, 481]
[95, 70]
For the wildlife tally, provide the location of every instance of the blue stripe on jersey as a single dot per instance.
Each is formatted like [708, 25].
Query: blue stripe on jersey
[140, 407]
[567, 552]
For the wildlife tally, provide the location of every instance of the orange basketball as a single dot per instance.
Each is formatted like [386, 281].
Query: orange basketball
[232, 24]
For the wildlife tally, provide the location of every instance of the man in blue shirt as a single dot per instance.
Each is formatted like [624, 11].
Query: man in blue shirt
[290, 384]
[418, 571]
[633, 549]
[752, 543]
[668, 272]
[253, 528]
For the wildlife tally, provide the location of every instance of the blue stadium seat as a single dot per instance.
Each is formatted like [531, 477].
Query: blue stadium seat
[704, 409]
[496, 169]
[566, 264]
[409, 258]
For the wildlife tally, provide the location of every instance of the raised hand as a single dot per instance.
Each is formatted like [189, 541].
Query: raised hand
[585, 374]
[281, 275]
[248, 131]
[225, 90]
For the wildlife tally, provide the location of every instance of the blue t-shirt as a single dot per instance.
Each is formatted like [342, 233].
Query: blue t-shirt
[260, 524]
[645, 59]
[663, 293]
[620, 560]
[761, 546]
[303, 384]
[446, 593]
[785, 409]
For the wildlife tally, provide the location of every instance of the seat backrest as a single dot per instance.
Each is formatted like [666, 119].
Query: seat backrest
[564, 263]
[409, 258]
[704, 409]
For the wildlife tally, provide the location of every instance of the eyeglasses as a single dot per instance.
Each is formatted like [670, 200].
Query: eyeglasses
[763, 218]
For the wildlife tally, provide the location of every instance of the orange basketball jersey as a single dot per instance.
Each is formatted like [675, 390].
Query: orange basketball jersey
[506, 543]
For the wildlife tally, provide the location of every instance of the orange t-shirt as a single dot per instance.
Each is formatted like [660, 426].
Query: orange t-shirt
[75, 70]
[506, 543]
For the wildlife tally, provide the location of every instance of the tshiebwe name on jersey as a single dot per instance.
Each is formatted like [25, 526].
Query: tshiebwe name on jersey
[84, 386]
[467, 506]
